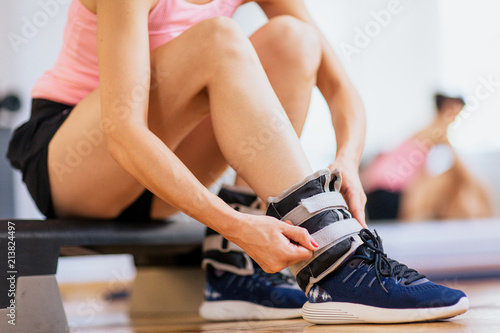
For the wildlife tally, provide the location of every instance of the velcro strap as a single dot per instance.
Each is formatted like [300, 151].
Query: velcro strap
[313, 205]
[219, 243]
[335, 231]
[332, 235]
[324, 200]
[222, 254]
[324, 265]
[323, 262]
[354, 246]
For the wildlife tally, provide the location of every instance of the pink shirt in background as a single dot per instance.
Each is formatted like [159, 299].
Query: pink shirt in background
[394, 170]
[76, 73]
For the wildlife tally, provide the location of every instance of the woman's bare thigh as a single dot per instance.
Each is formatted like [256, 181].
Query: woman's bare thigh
[85, 180]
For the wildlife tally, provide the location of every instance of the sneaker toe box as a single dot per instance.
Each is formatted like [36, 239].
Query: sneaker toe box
[430, 295]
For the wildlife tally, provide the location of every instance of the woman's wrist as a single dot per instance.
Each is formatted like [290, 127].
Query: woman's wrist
[234, 226]
[223, 218]
[347, 160]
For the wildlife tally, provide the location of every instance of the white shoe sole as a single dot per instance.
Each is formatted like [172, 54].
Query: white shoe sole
[240, 310]
[349, 313]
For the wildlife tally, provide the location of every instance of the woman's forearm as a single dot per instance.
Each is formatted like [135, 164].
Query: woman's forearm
[155, 166]
[124, 71]
[348, 119]
[345, 104]
[346, 107]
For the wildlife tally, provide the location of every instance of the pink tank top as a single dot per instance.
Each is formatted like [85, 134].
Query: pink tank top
[76, 73]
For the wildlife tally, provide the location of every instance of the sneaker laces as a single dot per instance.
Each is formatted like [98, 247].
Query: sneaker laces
[372, 253]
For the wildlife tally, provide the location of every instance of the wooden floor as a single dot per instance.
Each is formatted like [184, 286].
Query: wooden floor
[88, 312]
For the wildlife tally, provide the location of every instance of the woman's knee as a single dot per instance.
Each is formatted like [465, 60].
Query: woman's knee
[206, 46]
[225, 41]
[294, 41]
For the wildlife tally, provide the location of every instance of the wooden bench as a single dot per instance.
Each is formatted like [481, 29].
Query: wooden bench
[39, 243]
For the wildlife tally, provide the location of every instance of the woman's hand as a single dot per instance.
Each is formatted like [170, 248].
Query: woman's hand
[352, 190]
[272, 243]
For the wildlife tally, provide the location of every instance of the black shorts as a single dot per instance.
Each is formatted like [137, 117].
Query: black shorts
[28, 152]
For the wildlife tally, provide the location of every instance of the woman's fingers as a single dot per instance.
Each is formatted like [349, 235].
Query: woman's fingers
[300, 254]
[300, 236]
[294, 246]
[275, 244]
[356, 202]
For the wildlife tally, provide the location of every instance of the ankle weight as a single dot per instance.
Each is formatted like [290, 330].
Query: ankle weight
[222, 254]
[320, 208]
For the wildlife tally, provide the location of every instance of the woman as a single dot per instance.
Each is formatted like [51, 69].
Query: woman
[423, 178]
[164, 93]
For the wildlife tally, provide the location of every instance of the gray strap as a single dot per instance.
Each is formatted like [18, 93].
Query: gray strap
[334, 234]
[314, 205]
[247, 270]
[354, 246]
[336, 231]
[323, 200]
[215, 242]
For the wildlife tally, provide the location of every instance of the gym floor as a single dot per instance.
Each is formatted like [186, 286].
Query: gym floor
[88, 311]
[149, 303]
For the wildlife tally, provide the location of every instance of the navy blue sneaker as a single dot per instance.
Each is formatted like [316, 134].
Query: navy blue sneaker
[372, 288]
[236, 287]
[349, 278]
[258, 296]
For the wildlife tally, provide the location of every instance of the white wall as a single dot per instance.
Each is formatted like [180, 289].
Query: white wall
[471, 62]
[393, 63]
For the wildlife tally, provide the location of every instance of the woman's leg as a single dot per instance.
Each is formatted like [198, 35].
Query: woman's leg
[289, 51]
[200, 152]
[290, 60]
[214, 63]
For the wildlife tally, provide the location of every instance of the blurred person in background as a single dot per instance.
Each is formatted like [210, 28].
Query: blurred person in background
[423, 178]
